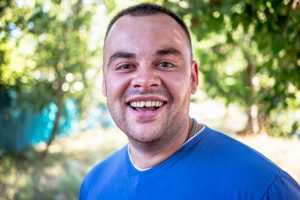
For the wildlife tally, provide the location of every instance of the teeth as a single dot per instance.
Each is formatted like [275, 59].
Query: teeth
[148, 103]
[140, 104]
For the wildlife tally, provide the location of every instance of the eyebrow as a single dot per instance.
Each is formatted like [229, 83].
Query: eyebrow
[159, 52]
[167, 51]
[120, 54]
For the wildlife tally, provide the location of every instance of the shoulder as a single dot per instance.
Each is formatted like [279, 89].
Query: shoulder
[234, 154]
[283, 187]
[229, 162]
[225, 147]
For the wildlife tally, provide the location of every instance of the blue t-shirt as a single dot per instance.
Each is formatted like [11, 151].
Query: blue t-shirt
[210, 166]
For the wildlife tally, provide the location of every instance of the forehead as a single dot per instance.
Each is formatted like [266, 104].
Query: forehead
[145, 33]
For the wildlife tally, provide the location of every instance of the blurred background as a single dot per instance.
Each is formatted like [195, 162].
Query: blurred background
[54, 123]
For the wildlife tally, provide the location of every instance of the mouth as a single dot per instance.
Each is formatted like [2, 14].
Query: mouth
[146, 105]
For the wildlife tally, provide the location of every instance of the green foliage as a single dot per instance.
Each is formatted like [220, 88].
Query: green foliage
[7, 22]
[283, 123]
[248, 50]
[55, 66]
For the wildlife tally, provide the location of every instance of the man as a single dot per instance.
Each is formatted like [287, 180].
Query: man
[149, 76]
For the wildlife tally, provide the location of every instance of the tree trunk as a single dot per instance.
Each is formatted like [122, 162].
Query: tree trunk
[55, 128]
[252, 110]
[264, 123]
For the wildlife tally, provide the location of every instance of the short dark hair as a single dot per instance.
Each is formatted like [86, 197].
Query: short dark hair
[148, 9]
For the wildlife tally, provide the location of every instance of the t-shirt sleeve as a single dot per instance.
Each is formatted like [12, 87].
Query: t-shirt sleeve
[283, 187]
[82, 191]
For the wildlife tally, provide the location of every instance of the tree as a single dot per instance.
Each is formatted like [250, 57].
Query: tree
[11, 23]
[59, 66]
[62, 50]
[250, 54]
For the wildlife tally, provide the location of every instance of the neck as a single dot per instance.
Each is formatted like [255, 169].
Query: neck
[148, 155]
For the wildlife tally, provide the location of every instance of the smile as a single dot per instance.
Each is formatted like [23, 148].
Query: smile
[146, 105]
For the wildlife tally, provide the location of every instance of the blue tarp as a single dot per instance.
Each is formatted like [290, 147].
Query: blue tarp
[20, 129]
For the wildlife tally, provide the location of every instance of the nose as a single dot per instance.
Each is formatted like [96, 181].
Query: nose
[145, 80]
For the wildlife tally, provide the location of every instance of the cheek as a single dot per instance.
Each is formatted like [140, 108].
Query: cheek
[116, 86]
[178, 85]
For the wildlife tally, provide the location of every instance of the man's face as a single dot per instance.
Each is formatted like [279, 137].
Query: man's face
[149, 77]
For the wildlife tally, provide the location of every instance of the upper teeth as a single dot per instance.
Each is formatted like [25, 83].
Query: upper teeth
[141, 104]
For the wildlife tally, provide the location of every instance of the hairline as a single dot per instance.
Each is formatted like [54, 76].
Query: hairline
[145, 9]
[137, 11]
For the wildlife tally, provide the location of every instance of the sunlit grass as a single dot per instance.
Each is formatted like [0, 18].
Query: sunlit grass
[59, 174]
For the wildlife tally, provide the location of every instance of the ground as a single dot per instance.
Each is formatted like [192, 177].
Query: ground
[59, 174]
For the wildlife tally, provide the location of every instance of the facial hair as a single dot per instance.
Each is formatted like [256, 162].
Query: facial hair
[167, 130]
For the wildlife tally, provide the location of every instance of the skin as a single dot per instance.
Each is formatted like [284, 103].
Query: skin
[148, 58]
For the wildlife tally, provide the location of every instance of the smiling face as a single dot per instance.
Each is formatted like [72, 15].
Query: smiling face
[149, 76]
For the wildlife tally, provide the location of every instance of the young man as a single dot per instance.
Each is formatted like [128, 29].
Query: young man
[149, 76]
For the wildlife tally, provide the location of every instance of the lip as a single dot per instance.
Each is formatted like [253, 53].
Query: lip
[145, 116]
[146, 98]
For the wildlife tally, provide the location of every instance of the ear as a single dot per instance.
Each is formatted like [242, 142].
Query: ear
[104, 89]
[194, 77]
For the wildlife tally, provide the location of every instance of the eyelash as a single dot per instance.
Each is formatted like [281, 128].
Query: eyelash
[128, 67]
[170, 65]
[125, 67]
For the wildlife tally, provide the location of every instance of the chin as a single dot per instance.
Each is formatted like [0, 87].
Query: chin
[143, 135]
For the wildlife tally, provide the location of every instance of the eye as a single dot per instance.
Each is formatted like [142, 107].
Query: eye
[165, 65]
[124, 67]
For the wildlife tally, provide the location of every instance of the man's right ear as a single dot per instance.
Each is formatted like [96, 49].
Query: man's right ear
[104, 90]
